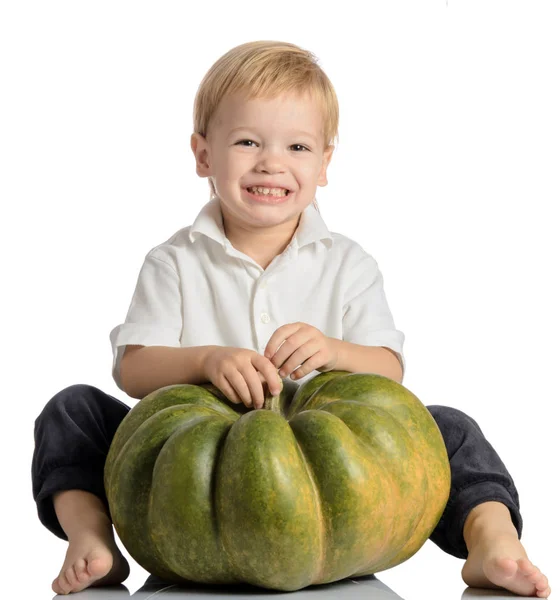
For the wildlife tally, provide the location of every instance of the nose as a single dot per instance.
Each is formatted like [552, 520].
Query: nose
[270, 161]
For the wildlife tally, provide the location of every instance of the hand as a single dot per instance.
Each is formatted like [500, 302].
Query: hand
[301, 344]
[240, 374]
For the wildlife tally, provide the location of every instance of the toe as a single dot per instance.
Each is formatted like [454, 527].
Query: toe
[526, 566]
[535, 577]
[71, 577]
[98, 566]
[63, 584]
[81, 571]
[56, 587]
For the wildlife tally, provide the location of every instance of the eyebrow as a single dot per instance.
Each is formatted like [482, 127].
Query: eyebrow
[292, 132]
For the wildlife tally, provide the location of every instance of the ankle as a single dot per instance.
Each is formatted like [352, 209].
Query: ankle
[487, 519]
[82, 513]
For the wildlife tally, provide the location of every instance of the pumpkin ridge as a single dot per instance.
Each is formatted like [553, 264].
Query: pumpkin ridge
[343, 472]
[406, 408]
[197, 551]
[117, 452]
[320, 571]
[370, 448]
[131, 521]
[160, 399]
[267, 504]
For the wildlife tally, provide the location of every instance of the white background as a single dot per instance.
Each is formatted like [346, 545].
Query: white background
[447, 172]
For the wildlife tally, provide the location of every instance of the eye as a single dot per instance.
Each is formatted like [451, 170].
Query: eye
[251, 142]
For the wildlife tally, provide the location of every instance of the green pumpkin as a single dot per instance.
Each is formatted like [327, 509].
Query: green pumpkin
[343, 476]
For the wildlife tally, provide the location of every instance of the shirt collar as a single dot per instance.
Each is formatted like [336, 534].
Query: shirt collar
[312, 228]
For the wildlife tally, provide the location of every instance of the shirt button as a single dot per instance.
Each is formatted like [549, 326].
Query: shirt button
[265, 318]
[263, 285]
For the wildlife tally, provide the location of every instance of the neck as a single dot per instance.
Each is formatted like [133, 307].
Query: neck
[263, 244]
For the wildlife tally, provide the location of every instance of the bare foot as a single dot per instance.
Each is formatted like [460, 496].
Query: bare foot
[500, 561]
[92, 559]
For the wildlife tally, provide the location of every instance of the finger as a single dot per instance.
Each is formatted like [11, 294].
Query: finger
[315, 361]
[239, 384]
[268, 374]
[291, 345]
[278, 338]
[254, 386]
[229, 391]
[303, 353]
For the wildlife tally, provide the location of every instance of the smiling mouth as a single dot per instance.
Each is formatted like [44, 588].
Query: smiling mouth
[268, 198]
[253, 190]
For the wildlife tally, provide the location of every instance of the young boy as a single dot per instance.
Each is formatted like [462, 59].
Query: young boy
[259, 284]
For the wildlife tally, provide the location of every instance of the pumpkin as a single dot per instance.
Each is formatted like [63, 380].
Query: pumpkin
[343, 476]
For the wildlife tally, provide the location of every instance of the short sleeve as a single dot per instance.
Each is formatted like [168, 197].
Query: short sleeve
[367, 319]
[154, 317]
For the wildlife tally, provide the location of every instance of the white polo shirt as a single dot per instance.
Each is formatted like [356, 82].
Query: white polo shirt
[196, 289]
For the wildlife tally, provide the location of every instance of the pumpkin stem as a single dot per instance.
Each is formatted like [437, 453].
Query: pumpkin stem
[273, 402]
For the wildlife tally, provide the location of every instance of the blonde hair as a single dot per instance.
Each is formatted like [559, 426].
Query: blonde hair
[266, 69]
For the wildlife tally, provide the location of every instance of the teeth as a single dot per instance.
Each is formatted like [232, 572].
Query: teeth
[266, 191]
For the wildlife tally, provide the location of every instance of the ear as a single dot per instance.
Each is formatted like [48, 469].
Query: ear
[200, 149]
[327, 155]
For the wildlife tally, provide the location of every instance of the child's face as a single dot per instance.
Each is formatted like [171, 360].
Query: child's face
[285, 148]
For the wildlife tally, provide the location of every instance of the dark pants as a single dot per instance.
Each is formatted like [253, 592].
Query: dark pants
[75, 429]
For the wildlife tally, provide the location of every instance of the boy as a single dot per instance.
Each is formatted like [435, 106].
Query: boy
[259, 253]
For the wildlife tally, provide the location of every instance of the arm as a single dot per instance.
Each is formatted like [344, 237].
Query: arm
[368, 326]
[368, 359]
[148, 368]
